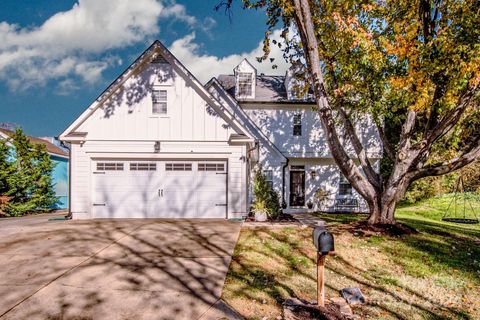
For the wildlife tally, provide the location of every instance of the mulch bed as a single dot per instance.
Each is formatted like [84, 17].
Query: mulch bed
[362, 228]
[283, 217]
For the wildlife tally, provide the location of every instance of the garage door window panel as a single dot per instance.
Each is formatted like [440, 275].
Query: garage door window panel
[143, 166]
[109, 166]
[178, 167]
[213, 167]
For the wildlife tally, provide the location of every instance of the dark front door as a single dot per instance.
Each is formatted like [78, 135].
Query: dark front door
[297, 188]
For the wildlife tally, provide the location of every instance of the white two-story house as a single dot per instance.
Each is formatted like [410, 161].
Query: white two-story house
[157, 143]
[292, 149]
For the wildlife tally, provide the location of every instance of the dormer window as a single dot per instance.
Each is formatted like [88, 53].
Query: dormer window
[245, 80]
[297, 125]
[245, 84]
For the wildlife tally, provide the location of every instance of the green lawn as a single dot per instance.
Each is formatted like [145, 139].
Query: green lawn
[434, 274]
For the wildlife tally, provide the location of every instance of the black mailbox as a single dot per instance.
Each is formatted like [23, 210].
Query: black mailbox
[323, 240]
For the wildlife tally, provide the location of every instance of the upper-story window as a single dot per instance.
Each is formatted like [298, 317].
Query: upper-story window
[297, 125]
[245, 84]
[345, 187]
[159, 102]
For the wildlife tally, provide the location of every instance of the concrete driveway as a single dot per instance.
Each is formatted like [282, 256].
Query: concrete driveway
[114, 269]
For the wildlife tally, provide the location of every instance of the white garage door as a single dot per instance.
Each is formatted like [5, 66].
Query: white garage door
[159, 189]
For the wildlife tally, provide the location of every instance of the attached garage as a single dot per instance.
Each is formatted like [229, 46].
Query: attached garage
[159, 189]
[157, 144]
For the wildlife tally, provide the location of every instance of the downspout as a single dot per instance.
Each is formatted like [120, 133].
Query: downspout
[69, 215]
[255, 147]
[284, 202]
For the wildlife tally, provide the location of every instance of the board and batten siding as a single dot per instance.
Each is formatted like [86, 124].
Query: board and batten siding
[123, 128]
[127, 113]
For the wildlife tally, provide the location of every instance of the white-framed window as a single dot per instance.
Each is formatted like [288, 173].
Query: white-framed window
[297, 124]
[211, 167]
[159, 101]
[345, 187]
[268, 176]
[143, 166]
[109, 166]
[245, 83]
[178, 166]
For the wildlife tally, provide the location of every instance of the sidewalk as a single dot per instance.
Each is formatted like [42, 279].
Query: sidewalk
[308, 220]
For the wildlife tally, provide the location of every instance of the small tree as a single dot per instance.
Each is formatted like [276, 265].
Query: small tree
[5, 166]
[29, 182]
[265, 196]
[5, 171]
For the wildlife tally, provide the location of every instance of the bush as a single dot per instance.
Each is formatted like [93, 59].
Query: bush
[25, 177]
[266, 199]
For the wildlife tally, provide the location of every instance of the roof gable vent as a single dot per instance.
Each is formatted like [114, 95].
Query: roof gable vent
[159, 59]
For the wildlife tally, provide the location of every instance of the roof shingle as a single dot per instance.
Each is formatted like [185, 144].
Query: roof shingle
[51, 148]
[267, 89]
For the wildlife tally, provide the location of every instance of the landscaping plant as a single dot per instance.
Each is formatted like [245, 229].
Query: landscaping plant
[25, 176]
[266, 199]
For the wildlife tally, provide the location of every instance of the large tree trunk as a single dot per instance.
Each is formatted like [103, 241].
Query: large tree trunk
[384, 203]
[382, 212]
[409, 158]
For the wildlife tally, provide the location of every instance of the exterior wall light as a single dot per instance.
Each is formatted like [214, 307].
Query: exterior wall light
[156, 147]
[313, 174]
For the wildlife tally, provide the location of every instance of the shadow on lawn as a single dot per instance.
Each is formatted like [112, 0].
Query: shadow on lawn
[286, 250]
[162, 269]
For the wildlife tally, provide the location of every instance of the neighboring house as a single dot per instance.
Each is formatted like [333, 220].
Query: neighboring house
[157, 143]
[59, 156]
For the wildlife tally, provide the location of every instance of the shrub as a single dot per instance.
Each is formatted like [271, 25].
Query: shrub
[320, 196]
[265, 197]
[28, 181]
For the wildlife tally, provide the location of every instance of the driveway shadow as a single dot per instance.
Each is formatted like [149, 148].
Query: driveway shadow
[114, 269]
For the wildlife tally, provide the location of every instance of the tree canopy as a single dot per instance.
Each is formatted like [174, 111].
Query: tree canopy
[413, 65]
[25, 175]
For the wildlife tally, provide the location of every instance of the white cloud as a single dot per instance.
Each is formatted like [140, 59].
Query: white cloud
[179, 12]
[73, 47]
[205, 66]
[69, 43]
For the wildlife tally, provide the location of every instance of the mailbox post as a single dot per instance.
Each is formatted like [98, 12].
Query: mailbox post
[323, 241]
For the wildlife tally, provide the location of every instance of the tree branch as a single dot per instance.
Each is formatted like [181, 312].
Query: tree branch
[352, 135]
[387, 147]
[406, 134]
[372, 176]
[451, 118]
[449, 166]
[305, 25]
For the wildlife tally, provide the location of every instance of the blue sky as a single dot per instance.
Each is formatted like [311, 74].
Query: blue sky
[56, 57]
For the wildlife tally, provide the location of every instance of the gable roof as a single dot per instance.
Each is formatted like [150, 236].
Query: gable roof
[245, 60]
[153, 52]
[268, 89]
[246, 121]
[50, 147]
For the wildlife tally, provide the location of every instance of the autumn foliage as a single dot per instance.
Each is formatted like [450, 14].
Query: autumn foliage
[413, 65]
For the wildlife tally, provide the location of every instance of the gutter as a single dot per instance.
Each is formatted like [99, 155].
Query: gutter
[69, 214]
